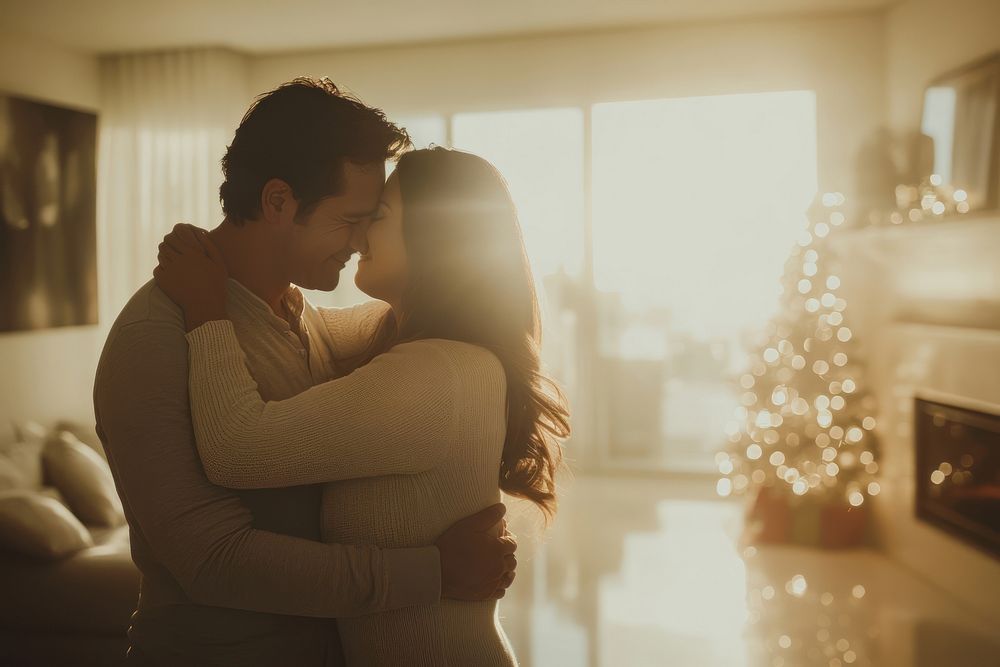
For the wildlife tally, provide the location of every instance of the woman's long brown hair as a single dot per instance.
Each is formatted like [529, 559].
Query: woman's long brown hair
[470, 281]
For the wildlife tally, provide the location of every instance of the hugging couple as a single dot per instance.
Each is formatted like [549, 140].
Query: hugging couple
[313, 486]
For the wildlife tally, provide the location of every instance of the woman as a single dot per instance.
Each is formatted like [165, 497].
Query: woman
[442, 407]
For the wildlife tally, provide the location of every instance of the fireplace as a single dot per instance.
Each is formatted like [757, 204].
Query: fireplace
[958, 472]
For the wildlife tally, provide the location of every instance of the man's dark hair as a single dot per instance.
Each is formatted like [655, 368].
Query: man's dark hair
[303, 132]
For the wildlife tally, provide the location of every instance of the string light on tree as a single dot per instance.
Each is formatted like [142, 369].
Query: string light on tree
[805, 422]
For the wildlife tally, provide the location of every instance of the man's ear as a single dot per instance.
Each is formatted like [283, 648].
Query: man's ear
[278, 204]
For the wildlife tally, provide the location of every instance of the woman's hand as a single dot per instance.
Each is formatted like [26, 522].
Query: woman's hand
[193, 274]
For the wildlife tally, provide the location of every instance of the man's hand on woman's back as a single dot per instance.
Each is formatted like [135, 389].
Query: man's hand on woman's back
[477, 556]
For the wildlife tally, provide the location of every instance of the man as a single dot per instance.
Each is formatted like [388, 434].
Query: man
[240, 578]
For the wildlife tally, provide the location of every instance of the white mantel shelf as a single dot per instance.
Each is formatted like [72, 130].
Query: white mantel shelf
[958, 237]
[944, 271]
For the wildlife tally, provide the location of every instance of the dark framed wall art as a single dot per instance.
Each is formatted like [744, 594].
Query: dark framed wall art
[48, 201]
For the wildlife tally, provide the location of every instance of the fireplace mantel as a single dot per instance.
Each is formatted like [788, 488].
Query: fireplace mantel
[944, 272]
[949, 240]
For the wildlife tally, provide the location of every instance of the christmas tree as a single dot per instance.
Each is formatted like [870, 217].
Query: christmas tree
[805, 421]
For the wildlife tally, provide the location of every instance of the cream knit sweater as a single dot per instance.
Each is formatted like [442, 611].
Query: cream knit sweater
[408, 444]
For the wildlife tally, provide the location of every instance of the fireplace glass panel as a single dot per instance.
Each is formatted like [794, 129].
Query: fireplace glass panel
[958, 472]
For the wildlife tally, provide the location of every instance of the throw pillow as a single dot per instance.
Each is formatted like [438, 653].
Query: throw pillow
[84, 433]
[84, 480]
[32, 524]
[22, 458]
[11, 475]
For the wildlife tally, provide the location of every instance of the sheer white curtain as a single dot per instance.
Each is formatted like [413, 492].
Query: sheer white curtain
[165, 123]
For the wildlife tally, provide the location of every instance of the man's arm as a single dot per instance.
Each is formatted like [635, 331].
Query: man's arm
[202, 533]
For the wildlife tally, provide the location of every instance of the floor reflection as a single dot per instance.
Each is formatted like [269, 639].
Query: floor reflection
[641, 572]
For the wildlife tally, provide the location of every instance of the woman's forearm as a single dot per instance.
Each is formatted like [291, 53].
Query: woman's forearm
[392, 416]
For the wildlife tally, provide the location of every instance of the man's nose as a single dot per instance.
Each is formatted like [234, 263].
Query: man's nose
[359, 237]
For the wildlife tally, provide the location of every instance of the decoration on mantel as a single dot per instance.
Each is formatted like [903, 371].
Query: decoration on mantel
[930, 200]
[919, 195]
[951, 157]
[802, 442]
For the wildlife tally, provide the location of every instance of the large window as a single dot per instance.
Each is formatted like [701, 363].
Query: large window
[540, 154]
[695, 204]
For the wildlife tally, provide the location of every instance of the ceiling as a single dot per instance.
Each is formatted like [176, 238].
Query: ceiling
[261, 26]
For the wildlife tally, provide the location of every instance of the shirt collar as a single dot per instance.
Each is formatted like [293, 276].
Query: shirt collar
[292, 300]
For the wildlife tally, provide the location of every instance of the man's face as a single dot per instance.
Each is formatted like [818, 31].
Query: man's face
[320, 245]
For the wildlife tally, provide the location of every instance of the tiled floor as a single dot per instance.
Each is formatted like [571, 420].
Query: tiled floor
[640, 572]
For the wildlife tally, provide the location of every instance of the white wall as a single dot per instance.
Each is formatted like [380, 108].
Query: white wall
[840, 57]
[48, 375]
[945, 272]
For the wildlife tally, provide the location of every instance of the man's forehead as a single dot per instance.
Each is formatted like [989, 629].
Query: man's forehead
[363, 175]
[360, 190]
[351, 206]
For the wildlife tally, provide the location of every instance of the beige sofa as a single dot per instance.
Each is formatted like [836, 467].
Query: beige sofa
[73, 611]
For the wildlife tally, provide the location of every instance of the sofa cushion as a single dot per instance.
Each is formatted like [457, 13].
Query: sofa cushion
[12, 477]
[84, 479]
[38, 526]
[29, 430]
[21, 457]
[87, 434]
